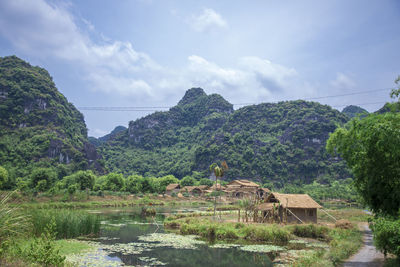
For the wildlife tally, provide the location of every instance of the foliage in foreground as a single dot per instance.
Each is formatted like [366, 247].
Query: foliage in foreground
[12, 222]
[387, 235]
[371, 149]
[43, 249]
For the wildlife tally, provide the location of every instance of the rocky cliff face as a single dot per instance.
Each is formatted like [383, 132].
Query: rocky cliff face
[33, 112]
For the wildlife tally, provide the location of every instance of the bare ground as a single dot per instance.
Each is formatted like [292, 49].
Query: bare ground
[367, 255]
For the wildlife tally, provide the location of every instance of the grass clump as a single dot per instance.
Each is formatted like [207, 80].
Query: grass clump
[68, 223]
[231, 231]
[13, 222]
[311, 231]
[344, 244]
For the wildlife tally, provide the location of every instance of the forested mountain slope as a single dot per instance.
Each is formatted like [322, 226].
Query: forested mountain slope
[267, 142]
[354, 111]
[98, 141]
[38, 126]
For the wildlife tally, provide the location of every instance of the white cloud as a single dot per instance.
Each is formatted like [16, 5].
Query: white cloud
[207, 20]
[114, 67]
[41, 29]
[342, 81]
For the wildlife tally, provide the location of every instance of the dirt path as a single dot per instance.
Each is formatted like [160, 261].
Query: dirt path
[367, 255]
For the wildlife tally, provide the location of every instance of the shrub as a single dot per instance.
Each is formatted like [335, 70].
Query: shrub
[311, 230]
[43, 249]
[344, 224]
[387, 235]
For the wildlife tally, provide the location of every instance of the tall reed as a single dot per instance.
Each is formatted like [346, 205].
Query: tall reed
[69, 223]
[12, 221]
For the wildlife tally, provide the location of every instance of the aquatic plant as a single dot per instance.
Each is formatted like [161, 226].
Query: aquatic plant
[172, 240]
[262, 248]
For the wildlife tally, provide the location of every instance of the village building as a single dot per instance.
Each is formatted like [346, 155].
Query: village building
[262, 193]
[244, 189]
[217, 187]
[242, 184]
[290, 208]
[195, 190]
[172, 188]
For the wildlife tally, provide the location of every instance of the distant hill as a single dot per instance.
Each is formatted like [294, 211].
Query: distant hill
[279, 142]
[38, 126]
[389, 107]
[98, 141]
[354, 111]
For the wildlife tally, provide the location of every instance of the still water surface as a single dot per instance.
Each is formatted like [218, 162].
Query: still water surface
[125, 229]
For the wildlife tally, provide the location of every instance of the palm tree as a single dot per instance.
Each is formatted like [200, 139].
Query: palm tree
[219, 172]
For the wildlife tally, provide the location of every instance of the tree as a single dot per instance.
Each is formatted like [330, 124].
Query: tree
[84, 180]
[114, 182]
[396, 91]
[187, 181]
[166, 180]
[3, 177]
[219, 172]
[371, 148]
[134, 184]
[43, 178]
[205, 181]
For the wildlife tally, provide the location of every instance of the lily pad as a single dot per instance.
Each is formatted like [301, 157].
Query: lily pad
[172, 240]
[262, 248]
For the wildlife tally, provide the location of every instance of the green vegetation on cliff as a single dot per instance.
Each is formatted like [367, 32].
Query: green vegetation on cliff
[38, 126]
[277, 142]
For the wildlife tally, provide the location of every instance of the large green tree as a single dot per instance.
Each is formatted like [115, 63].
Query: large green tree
[371, 148]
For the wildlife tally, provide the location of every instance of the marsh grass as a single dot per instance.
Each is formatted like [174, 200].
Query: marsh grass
[231, 231]
[13, 222]
[351, 214]
[68, 224]
[90, 204]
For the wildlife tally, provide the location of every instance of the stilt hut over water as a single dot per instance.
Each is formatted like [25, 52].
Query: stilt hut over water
[290, 208]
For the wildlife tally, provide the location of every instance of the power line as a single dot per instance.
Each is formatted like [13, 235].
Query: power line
[328, 96]
[362, 104]
[157, 108]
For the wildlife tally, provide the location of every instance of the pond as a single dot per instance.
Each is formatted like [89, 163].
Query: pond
[129, 239]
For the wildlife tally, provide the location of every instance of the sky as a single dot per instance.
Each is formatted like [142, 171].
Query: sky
[147, 53]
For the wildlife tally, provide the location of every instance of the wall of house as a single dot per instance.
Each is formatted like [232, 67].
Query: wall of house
[306, 215]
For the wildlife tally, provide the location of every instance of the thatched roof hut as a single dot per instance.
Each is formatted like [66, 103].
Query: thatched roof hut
[262, 193]
[193, 190]
[172, 188]
[242, 183]
[217, 187]
[290, 207]
[293, 201]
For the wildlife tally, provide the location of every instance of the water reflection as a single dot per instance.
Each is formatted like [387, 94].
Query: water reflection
[125, 226]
